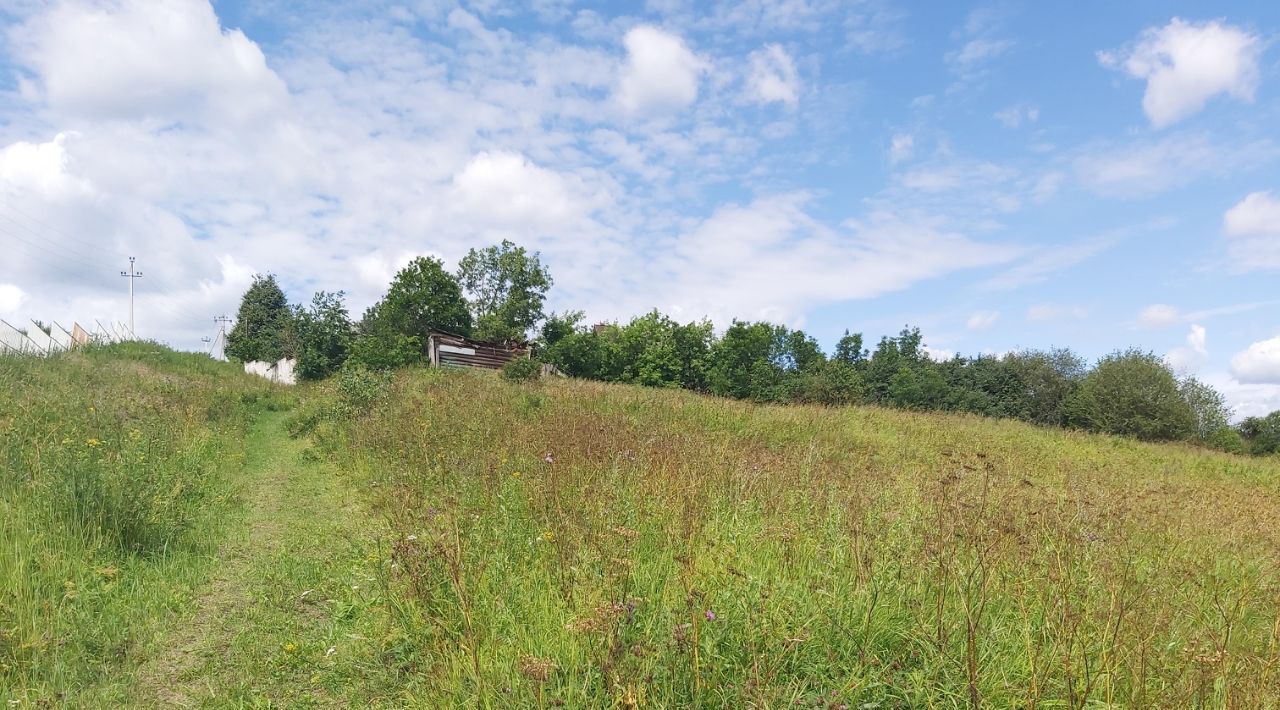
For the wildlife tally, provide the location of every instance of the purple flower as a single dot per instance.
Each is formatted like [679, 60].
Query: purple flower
[711, 615]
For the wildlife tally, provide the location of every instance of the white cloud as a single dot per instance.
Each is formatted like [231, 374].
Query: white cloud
[1046, 262]
[771, 259]
[660, 73]
[1016, 115]
[1187, 63]
[938, 354]
[1188, 358]
[1050, 311]
[982, 320]
[1259, 363]
[41, 167]
[507, 189]
[1145, 168]
[146, 59]
[11, 298]
[977, 51]
[901, 147]
[1245, 400]
[1253, 226]
[1159, 315]
[773, 76]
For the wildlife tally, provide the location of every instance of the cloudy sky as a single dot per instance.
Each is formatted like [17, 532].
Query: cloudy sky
[1004, 175]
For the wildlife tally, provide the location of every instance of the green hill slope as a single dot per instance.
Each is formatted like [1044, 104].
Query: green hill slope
[592, 545]
[441, 539]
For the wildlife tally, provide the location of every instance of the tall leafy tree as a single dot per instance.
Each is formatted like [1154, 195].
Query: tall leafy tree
[422, 297]
[324, 335]
[849, 349]
[264, 324]
[506, 287]
[1132, 393]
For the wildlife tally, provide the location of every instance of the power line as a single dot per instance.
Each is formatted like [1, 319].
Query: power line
[132, 276]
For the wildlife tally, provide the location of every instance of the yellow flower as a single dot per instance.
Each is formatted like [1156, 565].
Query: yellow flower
[549, 536]
[290, 647]
[515, 474]
[92, 442]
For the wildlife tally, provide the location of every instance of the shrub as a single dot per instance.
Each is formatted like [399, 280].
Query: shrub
[524, 369]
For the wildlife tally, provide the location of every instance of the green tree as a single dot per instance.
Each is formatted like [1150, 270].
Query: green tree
[1209, 411]
[1045, 380]
[506, 288]
[264, 324]
[849, 349]
[324, 335]
[1262, 433]
[1132, 393]
[422, 297]
[744, 362]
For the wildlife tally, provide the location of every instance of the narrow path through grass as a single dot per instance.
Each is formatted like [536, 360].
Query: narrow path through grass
[286, 617]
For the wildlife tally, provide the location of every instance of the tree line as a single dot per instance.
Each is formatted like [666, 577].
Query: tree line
[498, 293]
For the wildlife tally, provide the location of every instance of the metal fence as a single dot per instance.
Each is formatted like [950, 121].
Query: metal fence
[44, 340]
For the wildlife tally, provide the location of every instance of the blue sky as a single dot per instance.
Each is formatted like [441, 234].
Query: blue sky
[1003, 175]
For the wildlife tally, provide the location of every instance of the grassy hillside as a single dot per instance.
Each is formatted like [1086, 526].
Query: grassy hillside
[586, 545]
[441, 539]
[115, 467]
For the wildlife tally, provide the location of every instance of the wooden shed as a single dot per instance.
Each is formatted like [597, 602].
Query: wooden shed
[450, 350]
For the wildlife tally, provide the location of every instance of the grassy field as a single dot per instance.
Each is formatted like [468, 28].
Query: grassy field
[447, 539]
[584, 545]
[115, 467]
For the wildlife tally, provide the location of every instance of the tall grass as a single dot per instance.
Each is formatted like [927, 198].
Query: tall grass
[114, 465]
[587, 545]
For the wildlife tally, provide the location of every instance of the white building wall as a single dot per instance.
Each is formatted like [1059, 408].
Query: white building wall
[281, 371]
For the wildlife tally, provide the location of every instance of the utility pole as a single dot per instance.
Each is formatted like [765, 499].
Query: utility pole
[222, 322]
[208, 350]
[131, 275]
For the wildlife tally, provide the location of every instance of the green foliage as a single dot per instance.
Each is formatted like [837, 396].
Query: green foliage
[1045, 379]
[264, 324]
[324, 335]
[849, 349]
[114, 482]
[360, 389]
[1132, 393]
[422, 297]
[522, 369]
[1209, 411]
[506, 287]
[1262, 433]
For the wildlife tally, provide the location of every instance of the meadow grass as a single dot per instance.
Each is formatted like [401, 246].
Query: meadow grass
[577, 544]
[115, 466]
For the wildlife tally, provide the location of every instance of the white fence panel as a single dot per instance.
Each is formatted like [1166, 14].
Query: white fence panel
[103, 334]
[13, 341]
[61, 337]
[40, 338]
[80, 336]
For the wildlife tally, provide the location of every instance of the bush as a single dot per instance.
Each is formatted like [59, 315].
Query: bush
[360, 389]
[524, 369]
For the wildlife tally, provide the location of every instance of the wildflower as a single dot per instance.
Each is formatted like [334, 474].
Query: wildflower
[549, 458]
[91, 442]
[711, 615]
[290, 647]
[515, 474]
[549, 536]
[537, 669]
[330, 651]
[410, 538]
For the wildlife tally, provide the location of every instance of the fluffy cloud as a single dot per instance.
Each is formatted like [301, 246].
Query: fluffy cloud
[11, 298]
[982, 320]
[506, 189]
[1159, 315]
[773, 76]
[145, 59]
[1187, 63]
[1259, 363]
[1190, 357]
[1253, 226]
[660, 73]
